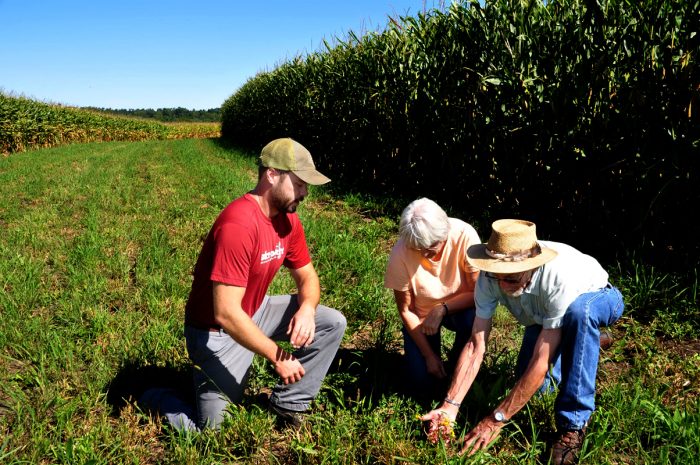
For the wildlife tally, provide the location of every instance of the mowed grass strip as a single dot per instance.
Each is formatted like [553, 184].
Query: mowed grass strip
[98, 244]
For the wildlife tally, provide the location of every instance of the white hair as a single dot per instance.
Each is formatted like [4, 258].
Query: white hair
[423, 223]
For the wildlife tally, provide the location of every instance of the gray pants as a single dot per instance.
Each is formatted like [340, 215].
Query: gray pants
[222, 365]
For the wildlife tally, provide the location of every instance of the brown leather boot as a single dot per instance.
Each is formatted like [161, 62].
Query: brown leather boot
[606, 339]
[566, 449]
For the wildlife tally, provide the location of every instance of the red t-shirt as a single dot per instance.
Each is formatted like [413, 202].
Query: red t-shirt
[244, 248]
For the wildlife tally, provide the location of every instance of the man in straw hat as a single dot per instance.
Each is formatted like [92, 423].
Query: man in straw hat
[229, 317]
[563, 298]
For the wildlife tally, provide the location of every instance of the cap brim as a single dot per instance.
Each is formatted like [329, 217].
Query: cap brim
[312, 177]
[478, 258]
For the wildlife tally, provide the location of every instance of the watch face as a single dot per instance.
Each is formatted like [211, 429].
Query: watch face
[499, 416]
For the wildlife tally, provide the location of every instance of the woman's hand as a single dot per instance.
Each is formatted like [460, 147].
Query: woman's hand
[435, 366]
[431, 323]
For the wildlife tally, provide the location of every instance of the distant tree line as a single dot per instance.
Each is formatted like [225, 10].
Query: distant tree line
[178, 114]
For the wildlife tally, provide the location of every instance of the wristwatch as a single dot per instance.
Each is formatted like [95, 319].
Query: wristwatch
[499, 416]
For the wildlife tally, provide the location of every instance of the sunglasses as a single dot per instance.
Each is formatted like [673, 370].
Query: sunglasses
[505, 280]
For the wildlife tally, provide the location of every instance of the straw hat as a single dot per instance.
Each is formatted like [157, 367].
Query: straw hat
[512, 248]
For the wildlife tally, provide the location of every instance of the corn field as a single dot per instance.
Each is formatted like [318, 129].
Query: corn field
[27, 124]
[579, 115]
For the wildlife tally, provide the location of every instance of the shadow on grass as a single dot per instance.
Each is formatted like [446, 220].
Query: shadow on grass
[373, 373]
[367, 374]
[133, 379]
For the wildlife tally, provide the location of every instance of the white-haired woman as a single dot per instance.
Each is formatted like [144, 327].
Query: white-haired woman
[433, 287]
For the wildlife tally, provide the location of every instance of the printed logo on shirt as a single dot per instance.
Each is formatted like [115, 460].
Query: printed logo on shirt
[275, 254]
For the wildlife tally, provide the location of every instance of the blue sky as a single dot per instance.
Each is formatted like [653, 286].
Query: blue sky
[163, 54]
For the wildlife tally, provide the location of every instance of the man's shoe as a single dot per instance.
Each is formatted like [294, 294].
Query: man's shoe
[606, 339]
[566, 449]
[286, 417]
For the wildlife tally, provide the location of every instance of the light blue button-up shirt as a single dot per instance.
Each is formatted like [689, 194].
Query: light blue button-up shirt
[553, 287]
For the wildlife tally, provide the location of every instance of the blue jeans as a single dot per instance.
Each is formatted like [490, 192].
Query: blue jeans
[418, 378]
[576, 361]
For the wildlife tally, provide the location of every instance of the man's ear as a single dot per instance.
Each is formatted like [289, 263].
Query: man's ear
[270, 175]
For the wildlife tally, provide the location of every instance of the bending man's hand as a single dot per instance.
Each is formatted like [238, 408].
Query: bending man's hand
[482, 435]
[441, 426]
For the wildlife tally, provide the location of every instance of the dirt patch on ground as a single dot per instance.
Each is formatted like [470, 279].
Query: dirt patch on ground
[681, 348]
[669, 367]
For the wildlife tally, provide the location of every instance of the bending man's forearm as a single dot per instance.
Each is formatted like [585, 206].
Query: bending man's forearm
[467, 368]
[534, 375]
[522, 392]
[468, 365]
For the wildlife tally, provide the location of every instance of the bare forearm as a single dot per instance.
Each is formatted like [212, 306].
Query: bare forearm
[532, 379]
[460, 302]
[245, 332]
[412, 324]
[468, 364]
[229, 314]
[467, 368]
[522, 392]
[308, 286]
[309, 293]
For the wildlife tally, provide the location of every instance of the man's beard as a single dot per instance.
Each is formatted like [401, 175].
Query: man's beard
[515, 294]
[282, 204]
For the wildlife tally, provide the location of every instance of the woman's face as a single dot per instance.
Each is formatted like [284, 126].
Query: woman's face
[433, 250]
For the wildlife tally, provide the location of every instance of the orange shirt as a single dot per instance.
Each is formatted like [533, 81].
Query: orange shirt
[432, 281]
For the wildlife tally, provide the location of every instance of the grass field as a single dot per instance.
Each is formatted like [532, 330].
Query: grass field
[97, 245]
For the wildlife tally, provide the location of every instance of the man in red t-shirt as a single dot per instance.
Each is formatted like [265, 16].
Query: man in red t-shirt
[229, 317]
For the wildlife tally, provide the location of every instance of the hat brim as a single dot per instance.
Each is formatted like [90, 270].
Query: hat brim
[478, 258]
[312, 177]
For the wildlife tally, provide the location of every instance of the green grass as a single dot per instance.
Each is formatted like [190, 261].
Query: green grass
[97, 245]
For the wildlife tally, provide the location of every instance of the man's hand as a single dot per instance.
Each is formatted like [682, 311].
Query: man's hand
[482, 435]
[431, 323]
[440, 426]
[288, 367]
[302, 327]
